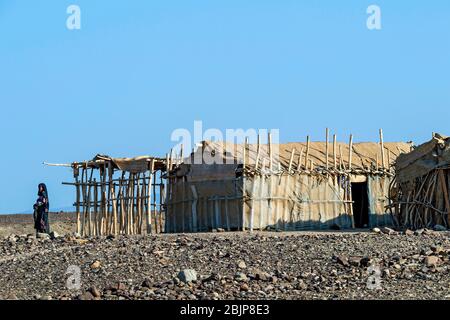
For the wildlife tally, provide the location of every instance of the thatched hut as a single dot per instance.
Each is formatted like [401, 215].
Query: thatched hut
[420, 194]
[291, 186]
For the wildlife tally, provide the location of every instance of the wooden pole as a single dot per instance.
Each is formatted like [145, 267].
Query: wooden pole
[84, 196]
[307, 152]
[149, 199]
[446, 195]
[76, 174]
[389, 159]
[291, 160]
[270, 151]
[299, 164]
[334, 151]
[258, 152]
[89, 203]
[383, 163]
[95, 226]
[137, 222]
[350, 152]
[243, 184]
[326, 147]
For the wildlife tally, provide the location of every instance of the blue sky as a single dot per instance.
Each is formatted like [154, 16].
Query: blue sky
[137, 70]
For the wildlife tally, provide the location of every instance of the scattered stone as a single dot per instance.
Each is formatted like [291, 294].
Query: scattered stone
[301, 285]
[241, 264]
[95, 292]
[147, 284]
[187, 275]
[244, 287]
[376, 230]
[409, 232]
[95, 265]
[439, 227]
[54, 235]
[365, 262]
[86, 296]
[220, 230]
[437, 249]
[418, 232]
[387, 230]
[354, 261]
[342, 260]
[42, 235]
[261, 275]
[431, 261]
[239, 276]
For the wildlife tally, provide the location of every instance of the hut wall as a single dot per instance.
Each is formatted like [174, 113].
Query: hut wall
[205, 199]
[378, 189]
[295, 202]
[204, 202]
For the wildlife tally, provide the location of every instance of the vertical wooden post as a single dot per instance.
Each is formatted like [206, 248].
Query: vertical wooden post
[244, 193]
[163, 198]
[307, 152]
[84, 195]
[137, 222]
[258, 152]
[77, 181]
[291, 160]
[270, 151]
[299, 164]
[95, 225]
[383, 163]
[149, 196]
[350, 152]
[334, 152]
[326, 147]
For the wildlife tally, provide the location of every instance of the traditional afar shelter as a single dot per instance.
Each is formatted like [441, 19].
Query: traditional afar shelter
[420, 193]
[291, 186]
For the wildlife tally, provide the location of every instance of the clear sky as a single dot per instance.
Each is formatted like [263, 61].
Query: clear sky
[137, 70]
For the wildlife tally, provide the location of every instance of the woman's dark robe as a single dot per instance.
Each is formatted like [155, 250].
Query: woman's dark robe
[41, 208]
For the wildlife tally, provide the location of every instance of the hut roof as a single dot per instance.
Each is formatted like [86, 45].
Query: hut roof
[424, 158]
[364, 154]
[134, 165]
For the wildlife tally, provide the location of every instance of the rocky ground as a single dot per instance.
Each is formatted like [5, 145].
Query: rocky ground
[266, 265]
[23, 223]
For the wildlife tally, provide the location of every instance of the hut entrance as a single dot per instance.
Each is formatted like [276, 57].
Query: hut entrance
[360, 204]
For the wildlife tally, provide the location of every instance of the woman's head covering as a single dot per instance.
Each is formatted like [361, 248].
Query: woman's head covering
[44, 188]
[44, 194]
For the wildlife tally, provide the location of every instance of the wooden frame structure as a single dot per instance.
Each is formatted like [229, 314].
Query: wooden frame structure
[119, 195]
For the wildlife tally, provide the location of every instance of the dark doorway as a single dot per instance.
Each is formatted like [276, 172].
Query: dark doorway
[360, 204]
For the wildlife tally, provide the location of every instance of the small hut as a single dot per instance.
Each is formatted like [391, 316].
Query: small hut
[420, 194]
[291, 186]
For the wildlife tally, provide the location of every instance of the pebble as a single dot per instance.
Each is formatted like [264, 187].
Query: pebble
[187, 275]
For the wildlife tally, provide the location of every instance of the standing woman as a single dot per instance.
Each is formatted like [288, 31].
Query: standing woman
[41, 210]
